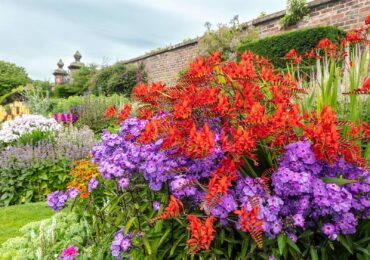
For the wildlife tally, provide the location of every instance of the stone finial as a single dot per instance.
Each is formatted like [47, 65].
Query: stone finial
[60, 64]
[77, 56]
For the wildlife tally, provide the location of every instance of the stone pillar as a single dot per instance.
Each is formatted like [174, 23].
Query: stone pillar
[60, 74]
[76, 65]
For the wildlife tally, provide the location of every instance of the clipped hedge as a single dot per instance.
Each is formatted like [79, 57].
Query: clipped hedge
[275, 47]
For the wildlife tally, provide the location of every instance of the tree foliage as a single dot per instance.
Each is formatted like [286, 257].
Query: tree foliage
[11, 76]
[117, 78]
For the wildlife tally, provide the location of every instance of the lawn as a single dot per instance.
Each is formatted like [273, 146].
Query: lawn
[12, 218]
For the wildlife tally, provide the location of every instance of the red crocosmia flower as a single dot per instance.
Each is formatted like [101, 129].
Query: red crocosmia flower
[183, 109]
[294, 56]
[220, 182]
[172, 210]
[366, 130]
[311, 54]
[201, 235]
[151, 132]
[215, 58]
[200, 68]
[354, 36]
[200, 143]
[366, 85]
[367, 20]
[324, 44]
[125, 112]
[144, 113]
[111, 111]
[249, 222]
[324, 135]
[241, 142]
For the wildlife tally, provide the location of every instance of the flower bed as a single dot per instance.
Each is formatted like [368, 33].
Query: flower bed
[233, 155]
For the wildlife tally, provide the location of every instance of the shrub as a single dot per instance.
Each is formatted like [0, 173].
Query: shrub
[296, 11]
[225, 38]
[11, 77]
[92, 111]
[79, 85]
[274, 48]
[46, 238]
[117, 78]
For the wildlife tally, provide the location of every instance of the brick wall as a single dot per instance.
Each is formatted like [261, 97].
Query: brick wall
[166, 64]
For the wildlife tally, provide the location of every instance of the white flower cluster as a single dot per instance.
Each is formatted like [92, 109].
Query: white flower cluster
[12, 130]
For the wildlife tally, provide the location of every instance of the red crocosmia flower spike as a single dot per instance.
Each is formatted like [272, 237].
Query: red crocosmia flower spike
[111, 111]
[145, 114]
[172, 210]
[367, 20]
[125, 112]
[151, 132]
[354, 36]
[220, 182]
[324, 135]
[294, 56]
[201, 235]
[366, 85]
[200, 143]
[249, 222]
[183, 109]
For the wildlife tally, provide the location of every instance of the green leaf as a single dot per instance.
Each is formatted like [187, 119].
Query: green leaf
[281, 243]
[344, 242]
[293, 245]
[164, 237]
[129, 224]
[338, 181]
[313, 252]
[176, 244]
[147, 246]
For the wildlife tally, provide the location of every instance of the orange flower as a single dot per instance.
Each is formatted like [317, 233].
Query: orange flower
[201, 235]
[200, 143]
[125, 112]
[110, 112]
[220, 182]
[83, 171]
[367, 20]
[294, 56]
[366, 85]
[249, 222]
[172, 210]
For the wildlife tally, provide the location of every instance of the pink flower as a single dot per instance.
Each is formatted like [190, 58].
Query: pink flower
[69, 253]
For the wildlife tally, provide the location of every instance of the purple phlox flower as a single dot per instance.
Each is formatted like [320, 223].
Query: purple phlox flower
[72, 193]
[57, 200]
[93, 184]
[156, 205]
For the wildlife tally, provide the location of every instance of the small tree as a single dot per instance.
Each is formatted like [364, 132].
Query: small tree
[11, 77]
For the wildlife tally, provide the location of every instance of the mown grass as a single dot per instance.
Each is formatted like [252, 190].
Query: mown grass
[12, 218]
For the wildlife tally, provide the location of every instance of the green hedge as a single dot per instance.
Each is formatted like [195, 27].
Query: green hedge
[275, 47]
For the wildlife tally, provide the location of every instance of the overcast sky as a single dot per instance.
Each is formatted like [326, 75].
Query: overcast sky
[36, 33]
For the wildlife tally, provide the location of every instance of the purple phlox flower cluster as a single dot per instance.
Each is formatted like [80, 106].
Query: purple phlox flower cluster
[93, 184]
[57, 199]
[121, 243]
[120, 157]
[69, 253]
[249, 189]
[308, 199]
